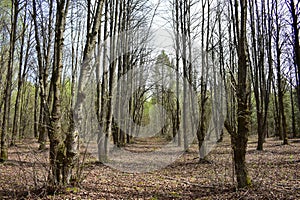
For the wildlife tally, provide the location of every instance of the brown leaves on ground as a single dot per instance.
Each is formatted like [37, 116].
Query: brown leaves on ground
[274, 172]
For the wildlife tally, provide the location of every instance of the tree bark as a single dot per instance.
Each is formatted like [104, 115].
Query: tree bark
[58, 174]
[240, 139]
[43, 59]
[85, 71]
[21, 77]
[295, 22]
[8, 86]
[261, 84]
[281, 109]
[36, 105]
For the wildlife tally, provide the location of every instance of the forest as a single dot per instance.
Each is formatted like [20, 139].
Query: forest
[149, 99]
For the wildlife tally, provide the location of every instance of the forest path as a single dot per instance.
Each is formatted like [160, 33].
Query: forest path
[274, 173]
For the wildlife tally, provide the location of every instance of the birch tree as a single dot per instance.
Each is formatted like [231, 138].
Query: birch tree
[58, 174]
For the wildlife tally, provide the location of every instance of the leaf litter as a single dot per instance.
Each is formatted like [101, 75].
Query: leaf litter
[274, 172]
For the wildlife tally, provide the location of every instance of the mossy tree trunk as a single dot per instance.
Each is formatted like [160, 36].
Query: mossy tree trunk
[58, 175]
[239, 139]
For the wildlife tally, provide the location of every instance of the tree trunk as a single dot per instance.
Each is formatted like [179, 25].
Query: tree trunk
[240, 139]
[36, 105]
[21, 77]
[278, 46]
[85, 71]
[8, 87]
[177, 49]
[103, 84]
[43, 59]
[295, 28]
[293, 113]
[261, 84]
[58, 174]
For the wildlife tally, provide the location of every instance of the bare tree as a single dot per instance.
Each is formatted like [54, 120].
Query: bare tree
[8, 87]
[43, 39]
[205, 28]
[239, 138]
[294, 10]
[261, 83]
[278, 47]
[93, 29]
[23, 65]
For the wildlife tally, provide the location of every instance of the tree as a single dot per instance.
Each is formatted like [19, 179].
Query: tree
[23, 65]
[294, 10]
[182, 22]
[239, 138]
[176, 26]
[8, 87]
[280, 88]
[203, 78]
[261, 83]
[161, 76]
[93, 30]
[44, 40]
[58, 174]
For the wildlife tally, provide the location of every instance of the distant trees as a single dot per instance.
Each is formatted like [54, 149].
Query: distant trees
[162, 94]
[121, 48]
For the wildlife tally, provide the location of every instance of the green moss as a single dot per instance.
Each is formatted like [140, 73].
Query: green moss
[72, 189]
[248, 181]
[4, 156]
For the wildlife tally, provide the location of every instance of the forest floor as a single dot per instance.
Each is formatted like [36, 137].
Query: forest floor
[275, 174]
